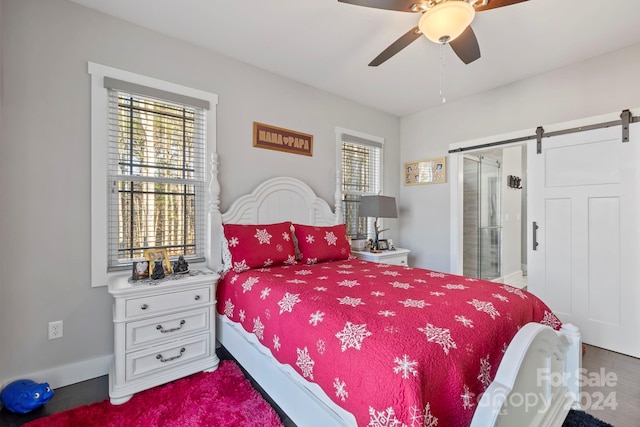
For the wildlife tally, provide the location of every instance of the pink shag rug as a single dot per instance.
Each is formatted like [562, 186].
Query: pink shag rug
[220, 398]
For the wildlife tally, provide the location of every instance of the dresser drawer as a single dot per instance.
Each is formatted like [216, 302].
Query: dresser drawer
[170, 326]
[166, 357]
[159, 303]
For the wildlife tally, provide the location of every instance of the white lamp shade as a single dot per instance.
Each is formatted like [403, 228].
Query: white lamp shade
[446, 21]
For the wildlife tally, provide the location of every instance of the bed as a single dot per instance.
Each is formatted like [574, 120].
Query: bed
[357, 371]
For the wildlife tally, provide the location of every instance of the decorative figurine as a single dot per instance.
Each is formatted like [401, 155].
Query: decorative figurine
[158, 270]
[22, 396]
[180, 266]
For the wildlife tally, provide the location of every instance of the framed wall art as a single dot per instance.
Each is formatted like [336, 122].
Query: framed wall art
[427, 171]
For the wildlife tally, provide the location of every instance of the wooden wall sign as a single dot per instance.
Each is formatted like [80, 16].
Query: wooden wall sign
[275, 138]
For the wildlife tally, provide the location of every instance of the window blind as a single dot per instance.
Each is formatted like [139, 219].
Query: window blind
[361, 176]
[156, 159]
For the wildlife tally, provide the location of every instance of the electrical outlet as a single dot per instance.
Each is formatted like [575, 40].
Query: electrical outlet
[55, 329]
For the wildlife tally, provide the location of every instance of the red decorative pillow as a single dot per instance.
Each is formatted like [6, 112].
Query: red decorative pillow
[259, 245]
[320, 244]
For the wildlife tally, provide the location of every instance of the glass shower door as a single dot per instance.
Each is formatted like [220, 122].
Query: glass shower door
[490, 225]
[482, 225]
[471, 220]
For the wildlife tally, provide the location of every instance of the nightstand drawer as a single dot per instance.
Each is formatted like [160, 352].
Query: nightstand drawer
[162, 328]
[162, 358]
[398, 256]
[396, 260]
[170, 301]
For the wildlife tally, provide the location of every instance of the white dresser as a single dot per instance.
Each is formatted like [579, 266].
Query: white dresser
[397, 257]
[162, 331]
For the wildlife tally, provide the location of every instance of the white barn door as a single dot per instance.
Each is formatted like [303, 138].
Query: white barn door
[584, 196]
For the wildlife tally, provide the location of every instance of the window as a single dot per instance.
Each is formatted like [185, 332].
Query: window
[149, 142]
[156, 174]
[361, 164]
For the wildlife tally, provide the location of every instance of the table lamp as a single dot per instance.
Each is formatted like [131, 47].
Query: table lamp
[378, 207]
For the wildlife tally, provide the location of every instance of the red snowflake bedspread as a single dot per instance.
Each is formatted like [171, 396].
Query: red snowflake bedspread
[393, 345]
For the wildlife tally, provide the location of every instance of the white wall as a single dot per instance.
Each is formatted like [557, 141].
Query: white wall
[45, 160]
[511, 215]
[598, 86]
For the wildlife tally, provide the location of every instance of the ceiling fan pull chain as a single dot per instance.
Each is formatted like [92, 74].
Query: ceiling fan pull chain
[442, 66]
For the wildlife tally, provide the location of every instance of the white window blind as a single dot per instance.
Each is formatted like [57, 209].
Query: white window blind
[156, 176]
[361, 176]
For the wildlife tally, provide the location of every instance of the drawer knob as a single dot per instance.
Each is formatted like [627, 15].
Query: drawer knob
[197, 297]
[177, 328]
[144, 306]
[163, 360]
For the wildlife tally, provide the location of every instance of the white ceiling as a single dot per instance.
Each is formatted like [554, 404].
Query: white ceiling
[327, 44]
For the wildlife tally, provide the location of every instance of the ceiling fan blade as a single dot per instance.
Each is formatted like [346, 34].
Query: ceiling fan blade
[399, 5]
[494, 4]
[466, 46]
[396, 46]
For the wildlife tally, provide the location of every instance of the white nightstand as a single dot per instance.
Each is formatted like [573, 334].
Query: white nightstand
[162, 331]
[396, 257]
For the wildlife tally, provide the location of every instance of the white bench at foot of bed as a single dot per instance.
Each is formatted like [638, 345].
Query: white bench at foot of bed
[537, 382]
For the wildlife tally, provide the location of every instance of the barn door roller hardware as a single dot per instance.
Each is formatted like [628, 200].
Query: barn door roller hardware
[626, 119]
[539, 135]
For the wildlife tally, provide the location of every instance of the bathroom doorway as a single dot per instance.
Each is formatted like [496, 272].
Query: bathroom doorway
[489, 233]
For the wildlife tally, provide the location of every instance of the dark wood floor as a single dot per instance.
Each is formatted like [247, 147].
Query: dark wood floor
[625, 394]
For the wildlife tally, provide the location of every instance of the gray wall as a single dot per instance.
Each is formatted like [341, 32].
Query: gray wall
[45, 161]
[602, 85]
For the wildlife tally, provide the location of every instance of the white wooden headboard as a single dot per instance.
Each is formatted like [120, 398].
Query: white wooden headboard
[281, 199]
[275, 200]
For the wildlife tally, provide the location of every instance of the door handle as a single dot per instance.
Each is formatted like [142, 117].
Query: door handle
[535, 235]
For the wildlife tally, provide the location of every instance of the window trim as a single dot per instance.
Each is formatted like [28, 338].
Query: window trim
[366, 138]
[99, 158]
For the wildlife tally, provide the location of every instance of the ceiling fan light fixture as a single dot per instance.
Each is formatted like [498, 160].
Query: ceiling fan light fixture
[446, 21]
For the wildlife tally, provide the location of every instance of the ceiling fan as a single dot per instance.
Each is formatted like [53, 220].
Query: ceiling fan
[442, 21]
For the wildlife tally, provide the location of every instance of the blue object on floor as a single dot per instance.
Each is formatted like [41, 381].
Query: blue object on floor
[22, 396]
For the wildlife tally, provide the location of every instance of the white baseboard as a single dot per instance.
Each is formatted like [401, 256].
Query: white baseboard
[72, 373]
